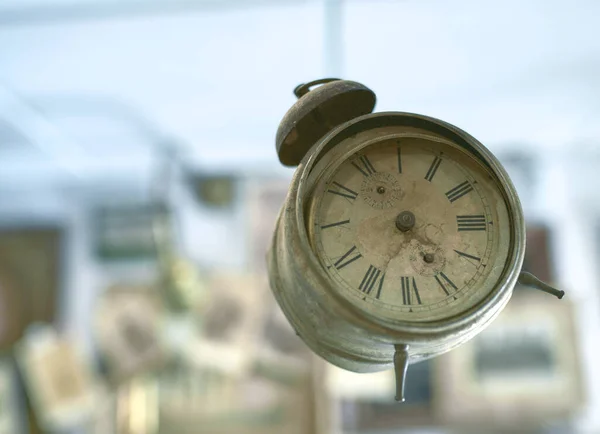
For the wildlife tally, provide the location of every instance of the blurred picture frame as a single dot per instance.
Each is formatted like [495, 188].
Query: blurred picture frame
[215, 191]
[127, 332]
[227, 328]
[522, 369]
[31, 270]
[125, 232]
[11, 406]
[59, 379]
[202, 401]
[12, 318]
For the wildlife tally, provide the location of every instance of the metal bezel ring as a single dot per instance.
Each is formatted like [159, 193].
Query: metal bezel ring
[445, 329]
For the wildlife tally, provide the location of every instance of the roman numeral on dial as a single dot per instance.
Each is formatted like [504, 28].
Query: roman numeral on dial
[445, 282]
[347, 258]
[410, 296]
[370, 279]
[343, 191]
[471, 222]
[459, 191]
[364, 165]
[433, 168]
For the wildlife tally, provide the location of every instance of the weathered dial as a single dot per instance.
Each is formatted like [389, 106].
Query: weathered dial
[412, 228]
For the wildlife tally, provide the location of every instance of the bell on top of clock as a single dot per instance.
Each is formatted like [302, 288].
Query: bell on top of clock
[401, 236]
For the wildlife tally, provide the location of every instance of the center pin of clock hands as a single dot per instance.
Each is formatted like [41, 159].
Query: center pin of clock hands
[405, 221]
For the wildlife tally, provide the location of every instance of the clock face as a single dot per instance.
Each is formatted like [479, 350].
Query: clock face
[411, 228]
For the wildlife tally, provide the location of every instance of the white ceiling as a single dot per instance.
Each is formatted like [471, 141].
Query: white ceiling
[94, 94]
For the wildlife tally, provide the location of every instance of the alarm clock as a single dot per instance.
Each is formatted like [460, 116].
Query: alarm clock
[401, 236]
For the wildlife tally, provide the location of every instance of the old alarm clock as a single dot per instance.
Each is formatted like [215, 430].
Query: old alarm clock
[401, 236]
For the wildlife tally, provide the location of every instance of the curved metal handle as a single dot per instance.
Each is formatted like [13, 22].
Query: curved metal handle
[303, 88]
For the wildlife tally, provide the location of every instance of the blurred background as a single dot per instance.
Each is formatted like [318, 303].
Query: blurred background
[139, 186]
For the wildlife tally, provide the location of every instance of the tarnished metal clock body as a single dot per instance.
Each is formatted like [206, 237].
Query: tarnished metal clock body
[401, 236]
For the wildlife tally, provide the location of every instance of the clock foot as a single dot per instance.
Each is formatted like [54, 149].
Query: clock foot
[528, 279]
[400, 367]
